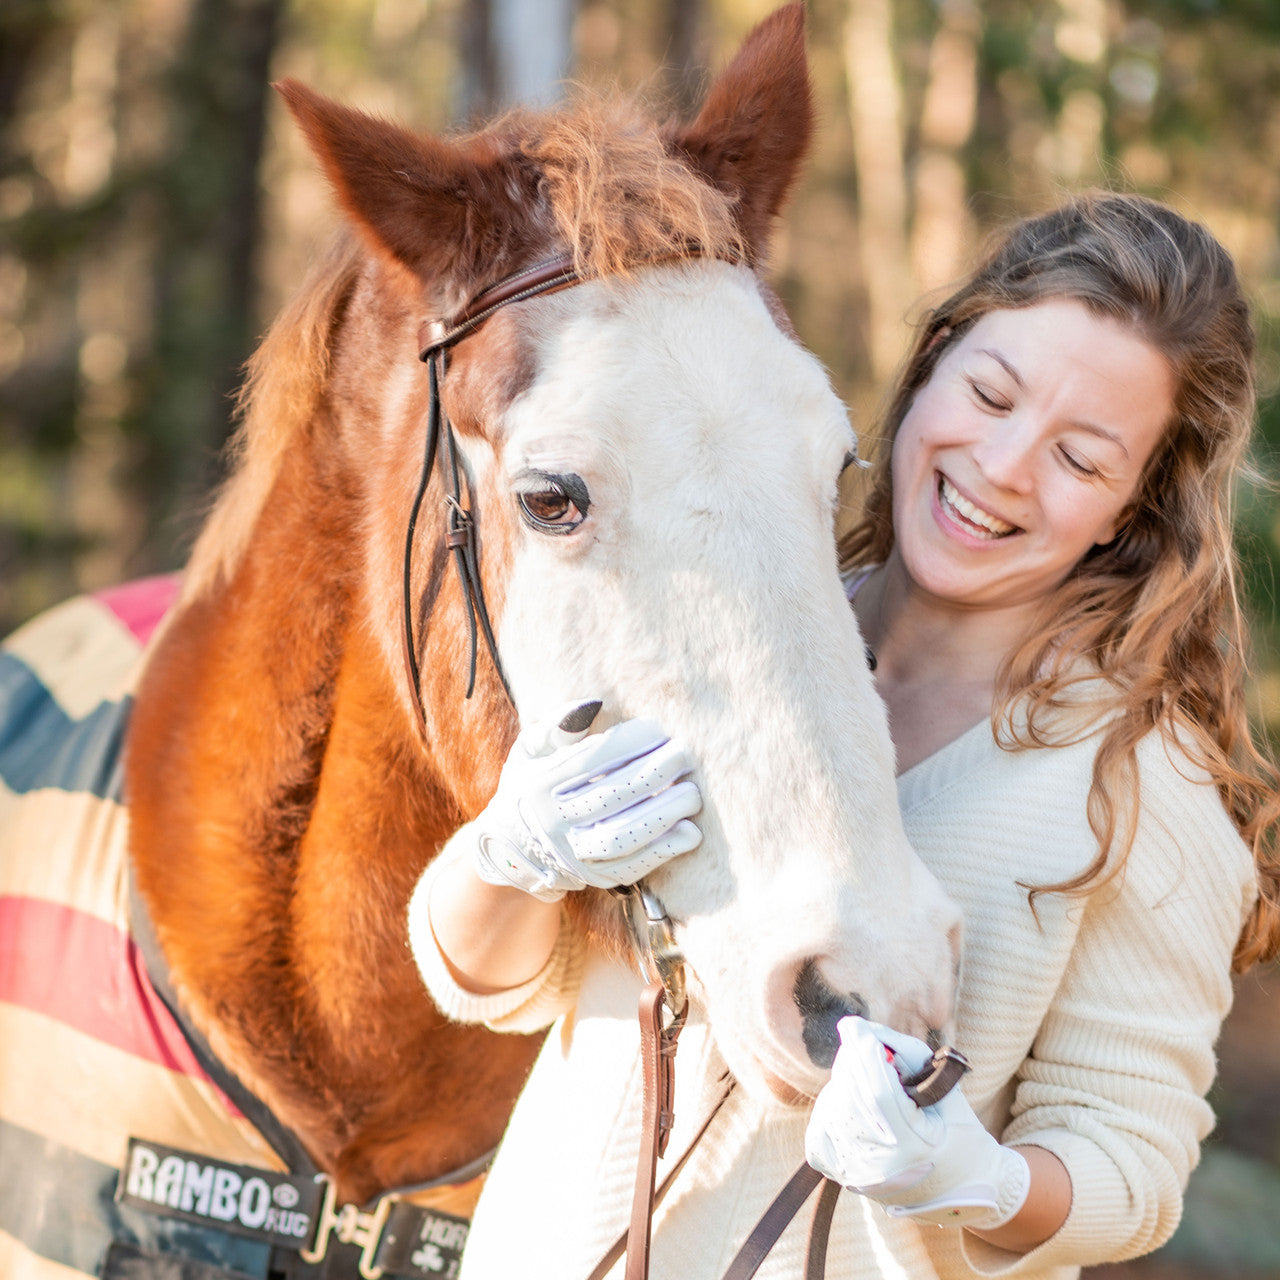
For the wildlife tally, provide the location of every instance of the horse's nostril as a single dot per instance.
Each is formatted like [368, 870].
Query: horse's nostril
[820, 1009]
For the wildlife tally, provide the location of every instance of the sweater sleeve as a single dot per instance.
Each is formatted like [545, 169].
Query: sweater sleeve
[1116, 1081]
[531, 1006]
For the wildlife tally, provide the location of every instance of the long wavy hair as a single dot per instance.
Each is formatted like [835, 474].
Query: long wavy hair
[1155, 611]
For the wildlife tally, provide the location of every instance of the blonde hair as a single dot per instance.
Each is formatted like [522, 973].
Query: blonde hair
[1156, 610]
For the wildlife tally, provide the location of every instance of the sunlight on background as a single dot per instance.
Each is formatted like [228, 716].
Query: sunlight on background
[158, 206]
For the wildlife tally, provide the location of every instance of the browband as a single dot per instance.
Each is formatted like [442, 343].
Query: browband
[542, 277]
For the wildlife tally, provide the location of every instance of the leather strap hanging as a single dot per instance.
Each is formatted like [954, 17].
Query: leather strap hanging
[616, 1250]
[775, 1220]
[460, 527]
[658, 1039]
[657, 1059]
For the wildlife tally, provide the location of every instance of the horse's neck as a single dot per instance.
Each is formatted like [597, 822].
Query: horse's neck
[282, 811]
[377, 819]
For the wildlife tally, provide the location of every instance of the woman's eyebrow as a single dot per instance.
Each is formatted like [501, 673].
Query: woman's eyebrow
[1004, 364]
[1102, 433]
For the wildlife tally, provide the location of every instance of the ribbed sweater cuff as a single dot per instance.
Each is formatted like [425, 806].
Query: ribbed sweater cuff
[529, 1007]
[1099, 1224]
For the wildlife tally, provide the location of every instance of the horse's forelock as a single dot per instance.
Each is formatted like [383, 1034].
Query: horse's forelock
[619, 195]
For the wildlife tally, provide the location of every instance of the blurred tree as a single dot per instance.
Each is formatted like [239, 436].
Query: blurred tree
[515, 51]
[131, 208]
[205, 202]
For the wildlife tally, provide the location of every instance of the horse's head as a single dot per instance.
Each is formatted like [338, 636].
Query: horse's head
[652, 461]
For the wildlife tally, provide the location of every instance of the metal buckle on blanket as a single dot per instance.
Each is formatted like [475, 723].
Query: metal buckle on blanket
[351, 1226]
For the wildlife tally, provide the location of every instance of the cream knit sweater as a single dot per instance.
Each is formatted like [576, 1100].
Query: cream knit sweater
[1090, 1029]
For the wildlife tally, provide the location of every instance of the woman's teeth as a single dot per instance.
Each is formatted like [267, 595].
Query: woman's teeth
[983, 523]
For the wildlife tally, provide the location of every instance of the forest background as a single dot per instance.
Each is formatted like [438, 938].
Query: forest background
[156, 208]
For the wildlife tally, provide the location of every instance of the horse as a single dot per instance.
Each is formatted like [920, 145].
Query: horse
[640, 481]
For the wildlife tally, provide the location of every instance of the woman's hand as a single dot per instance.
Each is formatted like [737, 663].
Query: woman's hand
[573, 809]
[934, 1164]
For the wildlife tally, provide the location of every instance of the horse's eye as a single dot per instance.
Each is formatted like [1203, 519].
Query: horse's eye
[553, 503]
[548, 507]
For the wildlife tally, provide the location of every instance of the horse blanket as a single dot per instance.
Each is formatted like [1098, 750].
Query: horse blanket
[89, 1054]
[120, 1155]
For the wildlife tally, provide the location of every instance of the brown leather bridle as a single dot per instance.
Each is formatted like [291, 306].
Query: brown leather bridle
[460, 529]
[662, 1017]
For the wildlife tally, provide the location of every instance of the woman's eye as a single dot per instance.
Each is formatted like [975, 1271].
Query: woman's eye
[1078, 464]
[986, 397]
[556, 504]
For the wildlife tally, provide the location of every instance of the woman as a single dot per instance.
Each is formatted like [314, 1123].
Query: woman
[1045, 576]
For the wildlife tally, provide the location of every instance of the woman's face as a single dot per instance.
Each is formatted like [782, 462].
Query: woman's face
[1023, 450]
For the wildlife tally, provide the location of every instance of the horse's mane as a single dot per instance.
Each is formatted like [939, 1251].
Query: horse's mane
[286, 377]
[619, 198]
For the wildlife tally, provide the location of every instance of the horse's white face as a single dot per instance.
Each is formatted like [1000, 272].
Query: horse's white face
[699, 587]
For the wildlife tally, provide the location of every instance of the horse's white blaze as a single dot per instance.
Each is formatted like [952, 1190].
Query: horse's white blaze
[702, 591]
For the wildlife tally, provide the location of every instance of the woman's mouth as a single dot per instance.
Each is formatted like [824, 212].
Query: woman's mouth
[973, 519]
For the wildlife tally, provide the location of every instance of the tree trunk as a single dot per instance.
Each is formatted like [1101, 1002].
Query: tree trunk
[685, 54]
[208, 233]
[875, 113]
[941, 227]
[514, 52]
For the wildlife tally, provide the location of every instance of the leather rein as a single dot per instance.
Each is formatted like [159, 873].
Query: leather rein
[663, 1002]
[663, 1006]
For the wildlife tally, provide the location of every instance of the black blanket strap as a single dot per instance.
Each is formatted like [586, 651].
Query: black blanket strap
[297, 1213]
[309, 1235]
[283, 1141]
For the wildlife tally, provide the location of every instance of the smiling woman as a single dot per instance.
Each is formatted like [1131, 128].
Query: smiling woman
[1044, 568]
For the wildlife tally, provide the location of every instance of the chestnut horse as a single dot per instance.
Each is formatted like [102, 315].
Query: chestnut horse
[650, 459]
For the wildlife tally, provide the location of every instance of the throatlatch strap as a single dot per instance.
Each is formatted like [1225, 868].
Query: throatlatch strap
[460, 527]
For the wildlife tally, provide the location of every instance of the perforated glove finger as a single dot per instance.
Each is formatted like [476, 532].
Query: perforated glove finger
[526, 840]
[683, 838]
[584, 801]
[621, 835]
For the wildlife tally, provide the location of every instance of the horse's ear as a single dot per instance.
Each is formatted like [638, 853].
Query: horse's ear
[754, 129]
[441, 209]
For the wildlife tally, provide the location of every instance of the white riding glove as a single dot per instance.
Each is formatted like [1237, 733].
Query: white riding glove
[933, 1164]
[574, 810]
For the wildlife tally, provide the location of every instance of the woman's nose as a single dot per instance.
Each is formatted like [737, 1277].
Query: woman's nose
[1005, 456]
